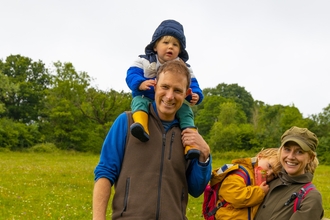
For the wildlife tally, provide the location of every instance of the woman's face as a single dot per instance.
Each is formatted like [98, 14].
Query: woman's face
[294, 159]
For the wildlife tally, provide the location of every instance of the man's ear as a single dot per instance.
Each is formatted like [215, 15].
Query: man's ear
[189, 92]
[155, 83]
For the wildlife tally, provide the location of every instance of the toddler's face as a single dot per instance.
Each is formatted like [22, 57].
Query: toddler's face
[167, 48]
[267, 165]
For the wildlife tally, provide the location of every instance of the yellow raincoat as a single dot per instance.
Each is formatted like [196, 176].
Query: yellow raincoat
[237, 194]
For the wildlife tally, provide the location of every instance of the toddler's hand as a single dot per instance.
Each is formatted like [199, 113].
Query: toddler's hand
[264, 187]
[194, 99]
[147, 84]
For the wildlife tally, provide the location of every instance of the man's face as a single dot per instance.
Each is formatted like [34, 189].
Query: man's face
[170, 93]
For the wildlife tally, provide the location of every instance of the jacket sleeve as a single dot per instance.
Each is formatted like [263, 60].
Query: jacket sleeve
[198, 176]
[134, 78]
[311, 207]
[113, 150]
[234, 191]
[135, 75]
[195, 88]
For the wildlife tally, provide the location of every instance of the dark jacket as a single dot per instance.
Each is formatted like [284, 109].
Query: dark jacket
[280, 191]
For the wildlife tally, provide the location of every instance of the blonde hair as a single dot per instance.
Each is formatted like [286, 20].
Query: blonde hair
[272, 153]
[167, 38]
[311, 166]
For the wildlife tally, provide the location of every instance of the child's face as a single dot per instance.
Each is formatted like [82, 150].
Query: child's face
[167, 48]
[267, 165]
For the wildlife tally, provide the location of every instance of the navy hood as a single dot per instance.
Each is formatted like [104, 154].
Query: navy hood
[169, 28]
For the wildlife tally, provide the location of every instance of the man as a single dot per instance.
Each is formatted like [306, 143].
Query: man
[152, 179]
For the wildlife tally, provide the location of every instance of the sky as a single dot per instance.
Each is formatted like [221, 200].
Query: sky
[278, 50]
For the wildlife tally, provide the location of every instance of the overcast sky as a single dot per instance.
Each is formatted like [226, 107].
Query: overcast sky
[278, 50]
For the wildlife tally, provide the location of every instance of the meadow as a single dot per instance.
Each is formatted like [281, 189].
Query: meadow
[60, 185]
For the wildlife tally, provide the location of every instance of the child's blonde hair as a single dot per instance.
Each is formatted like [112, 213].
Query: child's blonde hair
[272, 153]
[167, 38]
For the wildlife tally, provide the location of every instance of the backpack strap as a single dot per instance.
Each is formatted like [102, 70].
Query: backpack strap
[297, 197]
[248, 183]
[301, 195]
[242, 172]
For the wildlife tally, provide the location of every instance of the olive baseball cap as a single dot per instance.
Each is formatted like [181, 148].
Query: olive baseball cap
[306, 139]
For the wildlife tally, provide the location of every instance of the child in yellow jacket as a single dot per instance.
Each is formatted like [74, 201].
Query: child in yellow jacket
[241, 200]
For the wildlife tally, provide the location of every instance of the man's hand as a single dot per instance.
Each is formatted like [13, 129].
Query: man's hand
[192, 138]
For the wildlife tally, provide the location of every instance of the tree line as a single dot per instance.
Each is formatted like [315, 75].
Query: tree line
[58, 105]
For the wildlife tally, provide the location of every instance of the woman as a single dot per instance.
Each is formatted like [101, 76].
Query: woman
[297, 155]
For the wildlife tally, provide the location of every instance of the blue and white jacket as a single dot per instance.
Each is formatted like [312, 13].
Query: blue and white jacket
[142, 69]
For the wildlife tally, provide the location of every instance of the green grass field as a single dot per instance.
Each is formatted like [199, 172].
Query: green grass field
[60, 186]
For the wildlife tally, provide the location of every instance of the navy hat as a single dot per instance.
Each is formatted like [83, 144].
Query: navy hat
[169, 28]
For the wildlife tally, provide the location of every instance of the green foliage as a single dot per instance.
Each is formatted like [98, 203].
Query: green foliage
[44, 148]
[207, 113]
[31, 79]
[234, 92]
[231, 131]
[7, 89]
[17, 135]
[63, 108]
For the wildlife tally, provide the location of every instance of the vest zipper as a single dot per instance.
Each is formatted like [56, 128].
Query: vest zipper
[182, 199]
[161, 175]
[171, 145]
[126, 196]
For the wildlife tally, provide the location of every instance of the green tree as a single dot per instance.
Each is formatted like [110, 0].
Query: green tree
[64, 124]
[32, 79]
[234, 92]
[79, 116]
[103, 107]
[13, 134]
[231, 131]
[7, 89]
[272, 121]
[322, 130]
[207, 113]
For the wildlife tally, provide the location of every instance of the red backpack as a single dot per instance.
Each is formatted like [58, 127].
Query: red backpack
[210, 205]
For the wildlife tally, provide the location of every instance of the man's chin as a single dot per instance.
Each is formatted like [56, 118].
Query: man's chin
[166, 114]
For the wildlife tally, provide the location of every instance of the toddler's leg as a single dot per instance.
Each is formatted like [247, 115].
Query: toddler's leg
[139, 128]
[186, 118]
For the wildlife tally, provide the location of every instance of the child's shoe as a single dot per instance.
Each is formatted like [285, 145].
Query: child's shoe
[190, 152]
[139, 129]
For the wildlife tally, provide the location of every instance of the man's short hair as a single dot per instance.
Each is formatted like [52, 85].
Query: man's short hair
[177, 67]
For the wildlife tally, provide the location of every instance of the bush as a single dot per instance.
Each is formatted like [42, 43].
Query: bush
[230, 155]
[44, 148]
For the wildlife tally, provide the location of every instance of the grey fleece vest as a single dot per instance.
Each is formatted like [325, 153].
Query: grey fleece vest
[152, 183]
